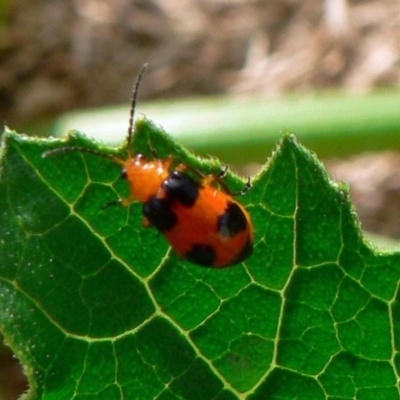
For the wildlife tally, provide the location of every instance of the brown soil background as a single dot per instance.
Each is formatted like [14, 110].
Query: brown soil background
[62, 55]
[59, 55]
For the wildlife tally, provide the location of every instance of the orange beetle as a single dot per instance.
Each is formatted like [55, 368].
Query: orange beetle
[197, 214]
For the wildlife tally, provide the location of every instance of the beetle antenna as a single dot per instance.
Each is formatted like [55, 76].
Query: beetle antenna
[63, 150]
[133, 107]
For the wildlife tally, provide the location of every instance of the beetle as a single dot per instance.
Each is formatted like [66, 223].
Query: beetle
[198, 214]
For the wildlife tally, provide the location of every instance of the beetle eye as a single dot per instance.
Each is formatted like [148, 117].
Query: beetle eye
[124, 175]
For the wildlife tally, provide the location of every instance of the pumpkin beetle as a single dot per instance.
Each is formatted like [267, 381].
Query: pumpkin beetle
[197, 213]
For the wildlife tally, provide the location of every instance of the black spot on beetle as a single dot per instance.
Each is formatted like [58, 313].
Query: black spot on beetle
[181, 188]
[232, 221]
[202, 254]
[159, 213]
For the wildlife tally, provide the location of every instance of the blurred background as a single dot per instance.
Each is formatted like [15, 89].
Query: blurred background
[62, 55]
[328, 71]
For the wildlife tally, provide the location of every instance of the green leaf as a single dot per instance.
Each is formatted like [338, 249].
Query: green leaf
[98, 307]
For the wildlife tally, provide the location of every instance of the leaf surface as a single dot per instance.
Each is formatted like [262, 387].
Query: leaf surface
[98, 307]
